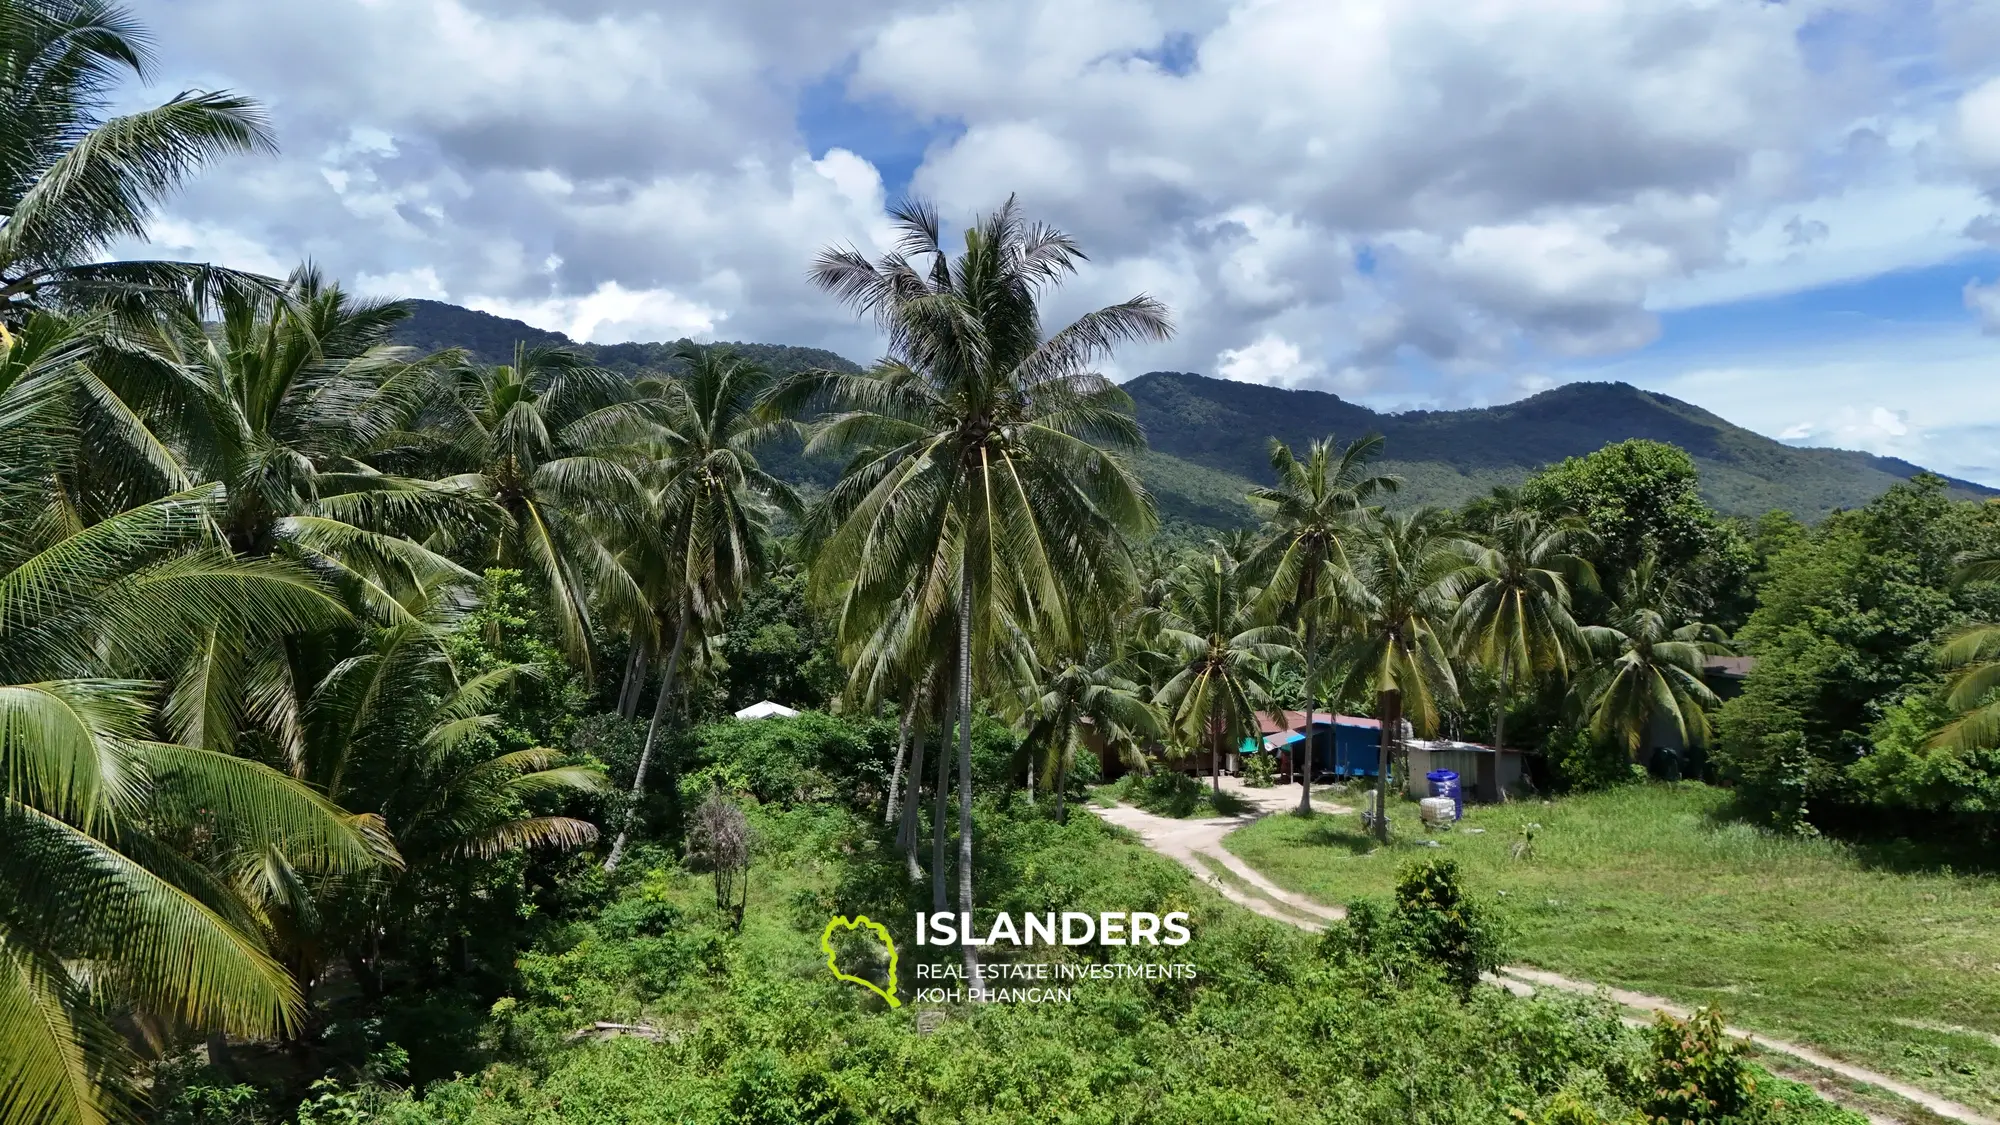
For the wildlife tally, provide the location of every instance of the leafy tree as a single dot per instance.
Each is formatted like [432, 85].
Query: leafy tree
[73, 181]
[1317, 509]
[1408, 579]
[1649, 666]
[985, 478]
[713, 503]
[1846, 626]
[1642, 498]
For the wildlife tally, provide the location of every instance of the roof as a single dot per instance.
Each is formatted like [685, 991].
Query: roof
[1452, 746]
[1733, 667]
[766, 710]
[1271, 722]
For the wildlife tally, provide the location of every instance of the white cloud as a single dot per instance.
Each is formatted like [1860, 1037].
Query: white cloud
[1273, 361]
[1984, 301]
[610, 314]
[1411, 200]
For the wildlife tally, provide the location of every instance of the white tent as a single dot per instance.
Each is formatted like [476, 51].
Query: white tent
[766, 710]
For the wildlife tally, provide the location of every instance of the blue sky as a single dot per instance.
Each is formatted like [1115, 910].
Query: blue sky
[1788, 214]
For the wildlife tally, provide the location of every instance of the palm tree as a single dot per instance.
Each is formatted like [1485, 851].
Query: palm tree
[712, 503]
[121, 857]
[1648, 666]
[1059, 697]
[73, 182]
[1408, 577]
[1516, 617]
[1973, 658]
[1317, 509]
[985, 475]
[1224, 646]
[279, 406]
[549, 438]
[399, 730]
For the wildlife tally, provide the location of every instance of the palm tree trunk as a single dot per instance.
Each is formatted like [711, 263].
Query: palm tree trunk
[1306, 776]
[1215, 753]
[906, 833]
[652, 735]
[1062, 778]
[1500, 715]
[1388, 705]
[635, 678]
[889, 807]
[965, 899]
[940, 870]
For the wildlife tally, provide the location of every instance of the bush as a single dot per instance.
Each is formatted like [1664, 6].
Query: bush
[1579, 763]
[1699, 1076]
[1176, 794]
[1440, 924]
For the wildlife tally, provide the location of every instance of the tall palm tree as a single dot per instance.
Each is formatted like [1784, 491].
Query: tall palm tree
[1315, 512]
[987, 473]
[1515, 618]
[1408, 578]
[1649, 665]
[73, 181]
[550, 439]
[1223, 645]
[710, 540]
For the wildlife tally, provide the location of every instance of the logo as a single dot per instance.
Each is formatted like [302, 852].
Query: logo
[881, 931]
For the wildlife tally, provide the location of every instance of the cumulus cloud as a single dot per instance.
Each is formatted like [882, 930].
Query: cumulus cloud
[1359, 196]
[1984, 301]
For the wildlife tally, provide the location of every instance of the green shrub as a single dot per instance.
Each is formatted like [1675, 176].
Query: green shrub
[1699, 1076]
[1579, 763]
[1439, 923]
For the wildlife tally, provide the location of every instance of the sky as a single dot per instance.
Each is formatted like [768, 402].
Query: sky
[1784, 211]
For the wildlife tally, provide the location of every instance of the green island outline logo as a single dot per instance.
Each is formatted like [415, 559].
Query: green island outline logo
[855, 923]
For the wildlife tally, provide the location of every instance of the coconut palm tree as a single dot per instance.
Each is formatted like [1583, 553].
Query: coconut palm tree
[1408, 578]
[396, 728]
[1223, 645]
[280, 405]
[550, 439]
[1648, 665]
[1316, 511]
[1515, 618]
[986, 463]
[123, 859]
[1058, 697]
[712, 503]
[1972, 656]
[74, 181]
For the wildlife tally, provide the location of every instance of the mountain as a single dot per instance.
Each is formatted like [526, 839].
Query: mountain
[1209, 437]
[1194, 423]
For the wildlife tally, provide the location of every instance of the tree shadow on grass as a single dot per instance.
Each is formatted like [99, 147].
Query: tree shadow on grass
[1339, 834]
[1901, 842]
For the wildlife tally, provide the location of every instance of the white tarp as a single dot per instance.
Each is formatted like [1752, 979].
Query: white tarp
[766, 710]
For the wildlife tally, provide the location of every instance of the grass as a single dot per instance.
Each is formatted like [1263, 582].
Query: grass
[1868, 956]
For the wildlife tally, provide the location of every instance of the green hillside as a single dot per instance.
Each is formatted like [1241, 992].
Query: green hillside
[1451, 455]
[1209, 436]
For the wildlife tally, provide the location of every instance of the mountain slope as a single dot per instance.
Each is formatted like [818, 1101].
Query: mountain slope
[1452, 455]
[1209, 437]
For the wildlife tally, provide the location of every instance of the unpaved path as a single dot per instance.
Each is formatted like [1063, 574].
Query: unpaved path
[1196, 844]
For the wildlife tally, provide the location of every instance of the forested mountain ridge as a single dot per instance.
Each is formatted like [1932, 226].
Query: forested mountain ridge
[1208, 437]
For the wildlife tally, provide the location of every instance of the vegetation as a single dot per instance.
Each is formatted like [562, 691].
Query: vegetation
[324, 665]
[1861, 950]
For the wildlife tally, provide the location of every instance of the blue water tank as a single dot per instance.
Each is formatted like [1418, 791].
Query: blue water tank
[1444, 783]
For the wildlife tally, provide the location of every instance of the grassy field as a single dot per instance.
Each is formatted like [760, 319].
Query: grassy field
[1873, 957]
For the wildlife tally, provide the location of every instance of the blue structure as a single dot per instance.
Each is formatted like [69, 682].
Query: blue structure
[1342, 745]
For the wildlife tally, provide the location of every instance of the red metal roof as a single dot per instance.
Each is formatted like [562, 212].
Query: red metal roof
[1271, 722]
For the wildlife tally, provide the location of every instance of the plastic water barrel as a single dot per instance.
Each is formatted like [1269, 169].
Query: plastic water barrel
[1436, 809]
[1444, 783]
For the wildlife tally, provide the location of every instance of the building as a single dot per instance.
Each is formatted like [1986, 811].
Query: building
[1484, 774]
[1338, 745]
